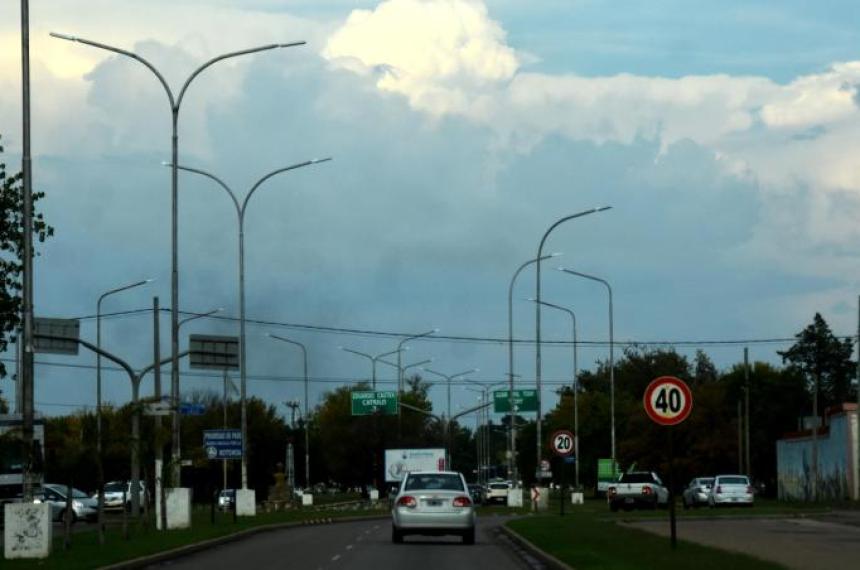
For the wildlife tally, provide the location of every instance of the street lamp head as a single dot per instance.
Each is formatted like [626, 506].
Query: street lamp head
[150, 280]
[166, 163]
[319, 160]
[603, 208]
[556, 254]
[291, 44]
[63, 36]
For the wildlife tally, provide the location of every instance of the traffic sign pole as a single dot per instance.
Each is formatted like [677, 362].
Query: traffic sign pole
[672, 524]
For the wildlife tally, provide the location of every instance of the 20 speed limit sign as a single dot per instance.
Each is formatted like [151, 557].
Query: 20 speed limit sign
[562, 443]
[668, 400]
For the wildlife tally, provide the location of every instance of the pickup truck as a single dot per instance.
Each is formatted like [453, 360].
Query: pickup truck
[637, 490]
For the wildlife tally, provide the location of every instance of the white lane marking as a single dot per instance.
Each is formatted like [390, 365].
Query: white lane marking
[335, 558]
[349, 547]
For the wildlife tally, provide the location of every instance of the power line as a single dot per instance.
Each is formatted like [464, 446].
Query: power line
[473, 339]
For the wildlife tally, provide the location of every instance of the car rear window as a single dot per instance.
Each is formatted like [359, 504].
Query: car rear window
[637, 478]
[733, 481]
[706, 482]
[498, 486]
[433, 481]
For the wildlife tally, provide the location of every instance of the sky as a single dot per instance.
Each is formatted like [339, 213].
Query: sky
[723, 135]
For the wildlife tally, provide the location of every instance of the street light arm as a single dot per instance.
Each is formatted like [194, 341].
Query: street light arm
[439, 374]
[464, 373]
[211, 177]
[279, 171]
[469, 411]
[164, 361]
[554, 306]
[587, 276]
[232, 54]
[101, 352]
[293, 342]
[200, 315]
[126, 53]
[343, 348]
[123, 288]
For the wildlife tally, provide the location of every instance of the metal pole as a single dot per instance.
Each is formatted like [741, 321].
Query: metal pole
[538, 364]
[159, 448]
[242, 351]
[26, 372]
[224, 405]
[135, 448]
[740, 439]
[857, 414]
[100, 475]
[747, 412]
[815, 435]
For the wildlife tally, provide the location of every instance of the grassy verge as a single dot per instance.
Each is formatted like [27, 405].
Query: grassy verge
[87, 553]
[762, 507]
[584, 540]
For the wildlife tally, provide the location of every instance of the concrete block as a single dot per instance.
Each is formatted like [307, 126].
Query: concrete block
[27, 530]
[515, 497]
[307, 500]
[577, 498]
[246, 502]
[178, 501]
[374, 494]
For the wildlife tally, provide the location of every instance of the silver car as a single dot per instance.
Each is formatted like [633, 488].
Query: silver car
[83, 507]
[697, 492]
[433, 503]
[118, 493]
[731, 490]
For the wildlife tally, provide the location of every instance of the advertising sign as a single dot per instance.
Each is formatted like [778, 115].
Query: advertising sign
[399, 462]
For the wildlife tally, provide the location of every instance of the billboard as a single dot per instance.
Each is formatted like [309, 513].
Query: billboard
[399, 462]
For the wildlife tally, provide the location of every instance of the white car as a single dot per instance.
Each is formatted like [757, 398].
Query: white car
[697, 492]
[118, 491]
[83, 507]
[497, 492]
[731, 490]
[433, 503]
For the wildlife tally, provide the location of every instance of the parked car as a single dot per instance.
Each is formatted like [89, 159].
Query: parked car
[114, 495]
[497, 492]
[227, 499]
[637, 490]
[696, 493]
[433, 503]
[731, 490]
[477, 493]
[83, 506]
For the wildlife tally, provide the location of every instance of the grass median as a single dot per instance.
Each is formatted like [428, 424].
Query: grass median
[144, 540]
[587, 540]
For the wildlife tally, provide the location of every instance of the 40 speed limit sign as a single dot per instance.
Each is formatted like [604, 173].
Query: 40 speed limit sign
[668, 400]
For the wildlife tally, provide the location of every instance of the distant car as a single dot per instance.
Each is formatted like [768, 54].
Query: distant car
[696, 493]
[227, 499]
[477, 493]
[497, 492]
[118, 491]
[730, 490]
[83, 506]
[433, 503]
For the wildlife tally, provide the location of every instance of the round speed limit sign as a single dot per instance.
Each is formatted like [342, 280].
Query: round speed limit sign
[562, 443]
[668, 400]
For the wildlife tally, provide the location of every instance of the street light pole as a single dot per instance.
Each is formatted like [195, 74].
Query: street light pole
[372, 359]
[512, 447]
[307, 417]
[99, 458]
[175, 104]
[611, 352]
[448, 379]
[538, 364]
[575, 384]
[400, 376]
[484, 420]
[241, 209]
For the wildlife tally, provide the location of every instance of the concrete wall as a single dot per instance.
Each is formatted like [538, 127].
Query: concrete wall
[837, 461]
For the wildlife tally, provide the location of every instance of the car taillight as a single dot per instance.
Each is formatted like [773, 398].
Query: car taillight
[611, 491]
[646, 490]
[749, 489]
[407, 501]
[462, 502]
[719, 490]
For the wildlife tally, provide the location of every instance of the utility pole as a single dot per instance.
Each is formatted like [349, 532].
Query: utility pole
[740, 439]
[747, 411]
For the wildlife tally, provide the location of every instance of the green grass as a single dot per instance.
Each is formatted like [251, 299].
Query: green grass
[586, 541]
[86, 553]
[762, 508]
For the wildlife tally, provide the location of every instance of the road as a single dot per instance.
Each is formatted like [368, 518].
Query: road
[355, 545]
[797, 543]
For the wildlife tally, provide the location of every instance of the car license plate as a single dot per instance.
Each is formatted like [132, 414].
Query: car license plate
[628, 500]
[434, 503]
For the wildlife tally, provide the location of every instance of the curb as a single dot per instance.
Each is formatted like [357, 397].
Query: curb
[544, 558]
[188, 549]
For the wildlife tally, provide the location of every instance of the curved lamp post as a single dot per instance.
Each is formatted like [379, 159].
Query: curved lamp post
[99, 459]
[307, 417]
[611, 353]
[538, 367]
[241, 209]
[400, 370]
[512, 446]
[373, 359]
[484, 447]
[575, 384]
[175, 105]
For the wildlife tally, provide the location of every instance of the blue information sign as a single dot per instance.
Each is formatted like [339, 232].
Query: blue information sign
[223, 443]
[191, 409]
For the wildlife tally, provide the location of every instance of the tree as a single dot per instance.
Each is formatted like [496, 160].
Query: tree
[11, 250]
[824, 361]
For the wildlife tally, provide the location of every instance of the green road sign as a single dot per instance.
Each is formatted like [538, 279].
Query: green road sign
[367, 403]
[524, 401]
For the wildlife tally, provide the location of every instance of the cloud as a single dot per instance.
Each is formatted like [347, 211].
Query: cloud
[441, 54]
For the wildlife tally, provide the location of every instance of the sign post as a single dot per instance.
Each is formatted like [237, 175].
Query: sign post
[561, 444]
[668, 401]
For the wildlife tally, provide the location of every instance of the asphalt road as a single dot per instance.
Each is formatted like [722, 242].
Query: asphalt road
[356, 545]
[799, 544]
